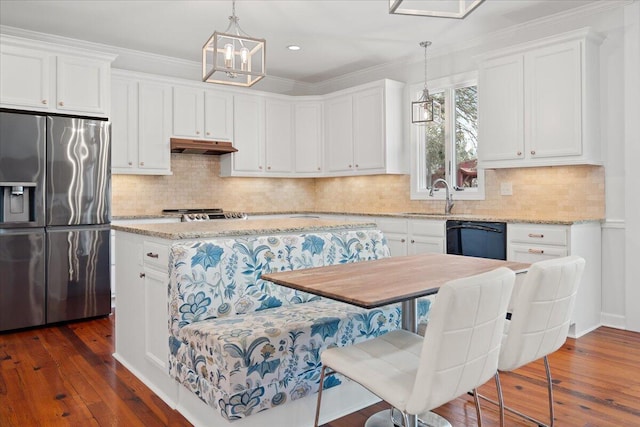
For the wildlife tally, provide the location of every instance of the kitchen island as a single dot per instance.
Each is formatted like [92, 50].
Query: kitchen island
[143, 255]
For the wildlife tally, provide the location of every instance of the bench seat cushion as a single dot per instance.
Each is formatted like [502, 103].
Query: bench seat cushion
[258, 360]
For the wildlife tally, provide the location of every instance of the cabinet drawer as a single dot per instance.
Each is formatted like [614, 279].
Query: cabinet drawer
[538, 234]
[533, 253]
[156, 255]
[427, 228]
[392, 225]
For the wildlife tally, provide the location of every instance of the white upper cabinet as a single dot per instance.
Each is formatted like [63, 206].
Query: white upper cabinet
[308, 138]
[24, 77]
[124, 125]
[140, 126]
[154, 126]
[53, 79]
[218, 115]
[202, 114]
[82, 84]
[538, 103]
[339, 134]
[363, 130]
[248, 138]
[279, 150]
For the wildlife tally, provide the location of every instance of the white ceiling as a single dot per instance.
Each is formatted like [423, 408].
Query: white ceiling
[337, 36]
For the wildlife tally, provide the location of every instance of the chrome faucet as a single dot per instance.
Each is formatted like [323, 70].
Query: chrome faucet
[449, 199]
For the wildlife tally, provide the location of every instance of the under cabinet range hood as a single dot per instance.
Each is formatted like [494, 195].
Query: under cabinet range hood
[201, 146]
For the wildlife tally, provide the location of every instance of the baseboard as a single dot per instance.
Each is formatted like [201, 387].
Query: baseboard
[613, 321]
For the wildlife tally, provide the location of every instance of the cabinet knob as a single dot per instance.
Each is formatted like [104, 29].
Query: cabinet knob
[142, 275]
[403, 240]
[319, 168]
[61, 104]
[197, 132]
[44, 101]
[130, 163]
[413, 241]
[519, 153]
[533, 152]
[268, 168]
[152, 255]
[208, 133]
[349, 165]
[260, 167]
[357, 166]
[141, 163]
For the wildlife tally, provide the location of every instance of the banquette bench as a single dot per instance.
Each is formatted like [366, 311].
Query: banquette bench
[244, 345]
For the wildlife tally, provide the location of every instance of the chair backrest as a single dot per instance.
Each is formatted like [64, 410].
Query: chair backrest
[462, 342]
[541, 312]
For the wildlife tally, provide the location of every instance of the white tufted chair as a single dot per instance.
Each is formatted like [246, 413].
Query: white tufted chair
[540, 320]
[458, 353]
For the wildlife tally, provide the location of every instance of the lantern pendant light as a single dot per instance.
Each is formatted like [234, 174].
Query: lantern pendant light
[425, 109]
[233, 57]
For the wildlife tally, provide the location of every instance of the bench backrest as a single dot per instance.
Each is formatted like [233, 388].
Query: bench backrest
[221, 277]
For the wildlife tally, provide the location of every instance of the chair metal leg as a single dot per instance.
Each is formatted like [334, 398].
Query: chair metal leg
[500, 399]
[476, 399]
[502, 407]
[322, 374]
[550, 388]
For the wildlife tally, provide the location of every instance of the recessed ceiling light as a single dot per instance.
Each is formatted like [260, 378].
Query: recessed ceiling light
[293, 47]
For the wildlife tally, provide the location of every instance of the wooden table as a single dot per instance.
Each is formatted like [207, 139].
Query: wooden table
[371, 284]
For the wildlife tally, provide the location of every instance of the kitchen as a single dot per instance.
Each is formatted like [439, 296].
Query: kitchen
[589, 191]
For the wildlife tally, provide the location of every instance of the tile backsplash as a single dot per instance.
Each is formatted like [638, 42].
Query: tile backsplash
[559, 192]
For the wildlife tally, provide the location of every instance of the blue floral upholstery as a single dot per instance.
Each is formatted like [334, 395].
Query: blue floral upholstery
[243, 344]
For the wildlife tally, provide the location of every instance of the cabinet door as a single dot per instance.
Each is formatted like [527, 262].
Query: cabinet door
[501, 109]
[339, 134]
[397, 243]
[82, 85]
[308, 137]
[425, 244]
[278, 136]
[248, 131]
[188, 112]
[154, 121]
[24, 77]
[156, 347]
[218, 116]
[124, 124]
[553, 88]
[368, 129]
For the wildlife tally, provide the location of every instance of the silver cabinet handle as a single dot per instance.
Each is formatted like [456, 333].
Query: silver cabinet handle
[152, 255]
[519, 153]
[536, 251]
[536, 235]
[533, 152]
[413, 241]
[44, 101]
[142, 275]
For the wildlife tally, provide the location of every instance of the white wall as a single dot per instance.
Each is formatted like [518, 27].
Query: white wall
[632, 156]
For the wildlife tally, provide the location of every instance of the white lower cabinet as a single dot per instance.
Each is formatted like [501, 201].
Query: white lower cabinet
[141, 323]
[538, 242]
[412, 237]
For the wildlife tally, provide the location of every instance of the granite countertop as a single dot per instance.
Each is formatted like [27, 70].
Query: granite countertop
[409, 215]
[206, 229]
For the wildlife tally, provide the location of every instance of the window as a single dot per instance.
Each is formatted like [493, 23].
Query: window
[447, 149]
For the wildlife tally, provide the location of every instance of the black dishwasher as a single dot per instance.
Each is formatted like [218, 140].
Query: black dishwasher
[478, 239]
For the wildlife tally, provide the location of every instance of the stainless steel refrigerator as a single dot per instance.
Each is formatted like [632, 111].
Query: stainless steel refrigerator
[54, 219]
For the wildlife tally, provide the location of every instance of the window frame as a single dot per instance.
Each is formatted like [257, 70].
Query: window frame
[419, 190]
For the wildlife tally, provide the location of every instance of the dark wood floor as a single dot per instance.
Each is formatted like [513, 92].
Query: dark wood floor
[66, 376]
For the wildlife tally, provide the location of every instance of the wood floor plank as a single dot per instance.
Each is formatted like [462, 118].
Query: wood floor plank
[78, 383]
